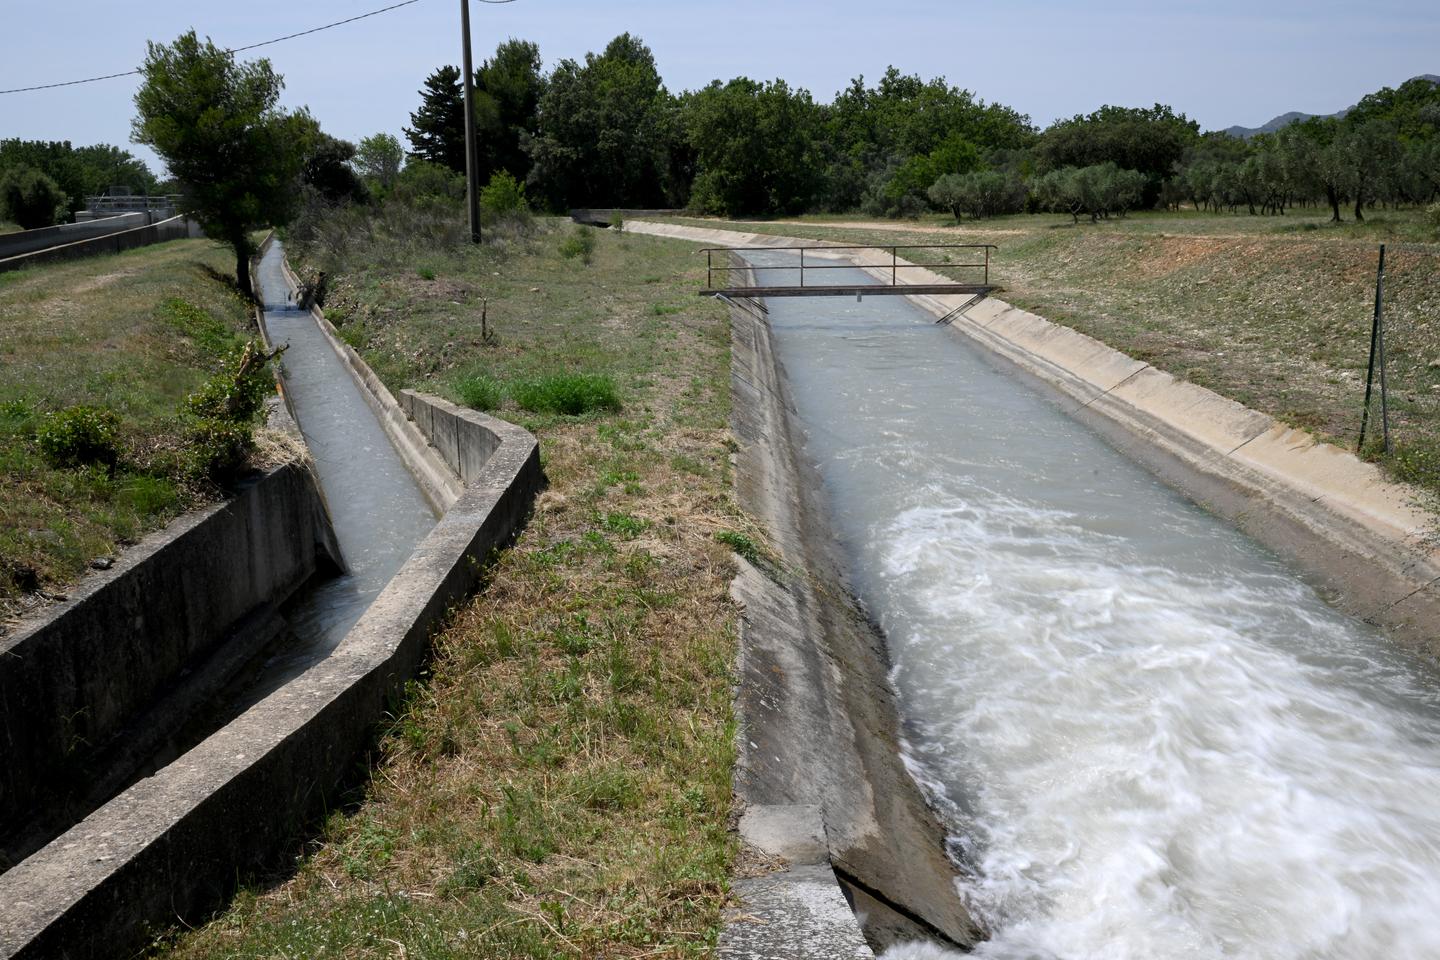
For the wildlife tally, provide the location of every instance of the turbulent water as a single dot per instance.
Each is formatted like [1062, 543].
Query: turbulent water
[1156, 741]
[377, 508]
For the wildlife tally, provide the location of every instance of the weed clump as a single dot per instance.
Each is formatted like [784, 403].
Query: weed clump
[579, 242]
[568, 393]
[219, 432]
[479, 392]
[80, 436]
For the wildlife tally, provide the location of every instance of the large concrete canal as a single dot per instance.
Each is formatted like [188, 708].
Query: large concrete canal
[1153, 738]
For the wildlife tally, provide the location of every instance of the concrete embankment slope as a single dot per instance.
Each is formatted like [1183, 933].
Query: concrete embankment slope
[1360, 537]
[820, 770]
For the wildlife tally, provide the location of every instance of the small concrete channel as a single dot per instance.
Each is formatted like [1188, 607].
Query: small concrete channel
[1143, 733]
[377, 508]
[181, 720]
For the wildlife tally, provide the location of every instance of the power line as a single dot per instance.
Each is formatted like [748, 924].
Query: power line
[252, 46]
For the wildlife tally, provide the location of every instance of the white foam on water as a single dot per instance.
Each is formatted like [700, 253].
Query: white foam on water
[1151, 766]
[1154, 740]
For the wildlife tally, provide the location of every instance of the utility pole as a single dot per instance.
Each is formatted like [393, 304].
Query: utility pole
[472, 160]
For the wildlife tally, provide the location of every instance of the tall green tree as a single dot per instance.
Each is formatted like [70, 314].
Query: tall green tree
[80, 171]
[30, 198]
[756, 147]
[216, 124]
[609, 133]
[378, 159]
[437, 129]
[508, 89]
[329, 171]
[1152, 140]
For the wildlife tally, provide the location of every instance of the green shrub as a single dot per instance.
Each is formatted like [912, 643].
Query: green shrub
[425, 273]
[580, 242]
[568, 393]
[422, 182]
[31, 198]
[1432, 213]
[479, 392]
[236, 392]
[80, 436]
[503, 196]
[617, 221]
[220, 416]
[217, 449]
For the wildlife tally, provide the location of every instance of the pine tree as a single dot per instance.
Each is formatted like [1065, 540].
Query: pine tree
[437, 133]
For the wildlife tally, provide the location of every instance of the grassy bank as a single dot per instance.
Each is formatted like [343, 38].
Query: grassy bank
[1274, 312]
[559, 785]
[130, 336]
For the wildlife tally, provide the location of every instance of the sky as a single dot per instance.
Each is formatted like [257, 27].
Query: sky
[1221, 62]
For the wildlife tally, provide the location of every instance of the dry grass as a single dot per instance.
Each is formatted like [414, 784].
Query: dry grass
[560, 784]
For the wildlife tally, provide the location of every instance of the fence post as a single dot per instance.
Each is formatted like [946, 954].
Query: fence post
[1377, 349]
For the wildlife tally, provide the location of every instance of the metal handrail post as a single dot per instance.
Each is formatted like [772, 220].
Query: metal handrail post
[802, 266]
[894, 266]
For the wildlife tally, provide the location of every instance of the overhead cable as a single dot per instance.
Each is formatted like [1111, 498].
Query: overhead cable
[252, 46]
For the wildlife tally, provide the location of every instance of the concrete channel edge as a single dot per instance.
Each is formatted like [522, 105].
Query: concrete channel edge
[172, 846]
[820, 775]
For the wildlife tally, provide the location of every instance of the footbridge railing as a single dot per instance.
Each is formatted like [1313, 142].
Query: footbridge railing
[884, 264]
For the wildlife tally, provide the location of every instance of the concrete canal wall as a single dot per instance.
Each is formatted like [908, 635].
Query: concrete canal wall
[136, 649]
[172, 846]
[111, 241]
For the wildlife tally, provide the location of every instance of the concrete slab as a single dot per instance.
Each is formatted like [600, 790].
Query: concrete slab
[798, 914]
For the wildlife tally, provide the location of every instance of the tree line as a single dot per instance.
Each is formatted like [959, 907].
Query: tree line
[42, 182]
[605, 132]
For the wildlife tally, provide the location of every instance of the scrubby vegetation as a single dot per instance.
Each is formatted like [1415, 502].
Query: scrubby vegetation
[125, 397]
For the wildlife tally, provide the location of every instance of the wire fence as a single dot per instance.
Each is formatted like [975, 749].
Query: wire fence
[1400, 412]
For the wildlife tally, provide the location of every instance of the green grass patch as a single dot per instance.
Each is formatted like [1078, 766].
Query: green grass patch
[571, 394]
[479, 392]
[214, 336]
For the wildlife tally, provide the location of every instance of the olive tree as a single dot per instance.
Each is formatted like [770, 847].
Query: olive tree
[236, 155]
[378, 160]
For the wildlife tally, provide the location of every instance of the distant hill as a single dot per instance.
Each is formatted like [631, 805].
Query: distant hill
[1285, 119]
